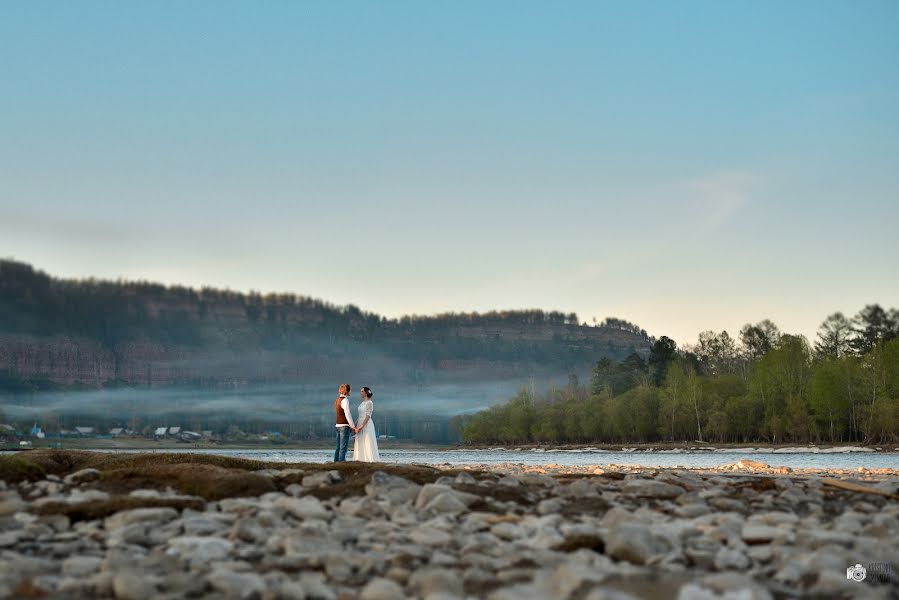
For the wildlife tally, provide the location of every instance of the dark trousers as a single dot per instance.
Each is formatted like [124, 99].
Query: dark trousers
[343, 441]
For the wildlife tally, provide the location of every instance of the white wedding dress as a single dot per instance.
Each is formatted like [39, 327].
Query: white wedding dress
[366, 448]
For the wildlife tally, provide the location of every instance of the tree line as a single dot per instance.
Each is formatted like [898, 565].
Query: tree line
[115, 314]
[765, 386]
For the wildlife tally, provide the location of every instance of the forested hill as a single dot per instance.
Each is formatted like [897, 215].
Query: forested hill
[89, 333]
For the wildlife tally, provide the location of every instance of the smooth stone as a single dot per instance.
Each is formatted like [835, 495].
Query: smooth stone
[243, 586]
[307, 507]
[82, 476]
[429, 580]
[10, 503]
[431, 491]
[200, 550]
[730, 558]
[148, 516]
[446, 502]
[571, 577]
[396, 489]
[635, 543]
[549, 506]
[577, 489]
[762, 534]
[382, 589]
[648, 488]
[294, 489]
[427, 535]
[128, 585]
[320, 479]
[81, 566]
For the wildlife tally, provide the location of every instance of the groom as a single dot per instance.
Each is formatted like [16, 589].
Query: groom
[344, 423]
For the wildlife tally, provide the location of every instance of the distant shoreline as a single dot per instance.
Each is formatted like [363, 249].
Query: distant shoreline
[682, 447]
[135, 444]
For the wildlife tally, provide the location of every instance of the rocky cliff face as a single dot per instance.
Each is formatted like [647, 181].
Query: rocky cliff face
[78, 362]
[92, 333]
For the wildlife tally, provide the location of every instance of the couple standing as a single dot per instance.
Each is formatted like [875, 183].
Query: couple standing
[366, 448]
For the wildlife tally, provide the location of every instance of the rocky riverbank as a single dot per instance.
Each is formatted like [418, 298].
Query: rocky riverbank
[132, 526]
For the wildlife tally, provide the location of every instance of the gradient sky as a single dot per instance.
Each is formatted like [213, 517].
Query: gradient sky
[684, 165]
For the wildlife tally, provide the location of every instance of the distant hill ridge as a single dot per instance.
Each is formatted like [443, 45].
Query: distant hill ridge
[93, 333]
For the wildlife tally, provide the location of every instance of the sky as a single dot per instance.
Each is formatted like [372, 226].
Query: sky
[686, 166]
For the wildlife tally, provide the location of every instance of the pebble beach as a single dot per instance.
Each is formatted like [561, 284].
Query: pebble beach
[146, 526]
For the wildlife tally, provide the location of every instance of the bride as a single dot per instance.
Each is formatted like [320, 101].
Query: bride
[366, 447]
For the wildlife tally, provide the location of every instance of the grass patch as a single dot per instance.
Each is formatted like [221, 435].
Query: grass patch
[214, 477]
[204, 480]
[15, 469]
[88, 511]
[63, 462]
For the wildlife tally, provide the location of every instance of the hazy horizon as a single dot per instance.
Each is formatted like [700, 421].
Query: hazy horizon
[685, 167]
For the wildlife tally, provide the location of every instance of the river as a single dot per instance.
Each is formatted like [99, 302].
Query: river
[793, 458]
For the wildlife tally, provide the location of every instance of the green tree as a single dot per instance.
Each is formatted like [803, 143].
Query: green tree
[759, 339]
[661, 354]
[831, 396]
[834, 336]
[872, 325]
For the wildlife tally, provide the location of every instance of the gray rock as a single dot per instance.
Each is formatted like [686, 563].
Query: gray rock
[320, 479]
[763, 534]
[395, 489]
[149, 516]
[200, 524]
[465, 479]
[129, 585]
[314, 585]
[736, 586]
[288, 590]
[81, 566]
[239, 505]
[382, 589]
[80, 496]
[432, 490]
[249, 530]
[571, 577]
[430, 580]
[537, 479]
[635, 543]
[692, 510]
[446, 502]
[549, 506]
[82, 476]
[649, 488]
[199, 550]
[507, 531]
[577, 489]
[427, 535]
[11, 538]
[10, 503]
[731, 558]
[242, 586]
[307, 507]
[360, 506]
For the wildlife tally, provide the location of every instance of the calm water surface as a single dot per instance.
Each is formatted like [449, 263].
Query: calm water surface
[793, 459]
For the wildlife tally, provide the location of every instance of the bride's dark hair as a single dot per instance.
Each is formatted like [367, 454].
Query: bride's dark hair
[368, 391]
